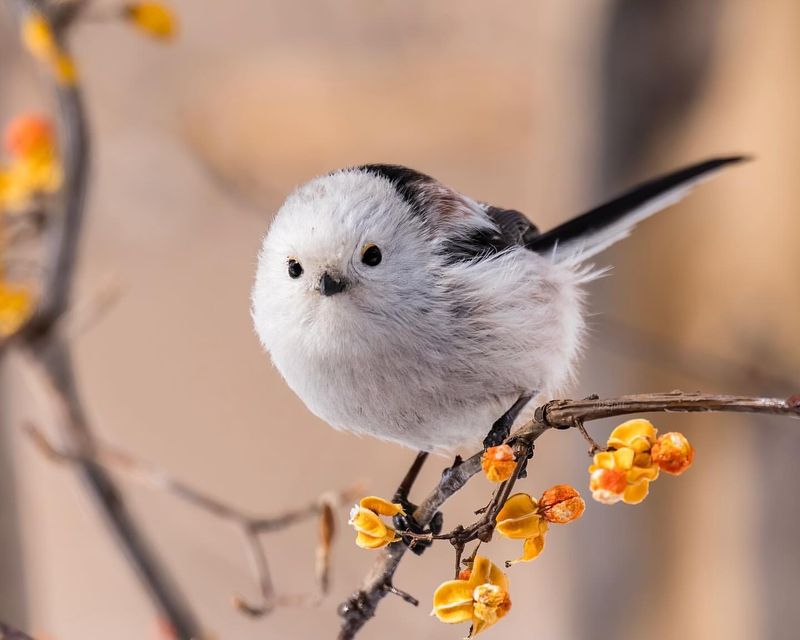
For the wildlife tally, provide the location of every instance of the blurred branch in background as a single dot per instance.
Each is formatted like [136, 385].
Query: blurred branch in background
[44, 27]
[10, 633]
[672, 72]
[45, 340]
[251, 527]
[657, 58]
[14, 582]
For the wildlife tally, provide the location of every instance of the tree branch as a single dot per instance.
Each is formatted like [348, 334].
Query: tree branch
[46, 344]
[561, 414]
[557, 414]
[251, 527]
[8, 632]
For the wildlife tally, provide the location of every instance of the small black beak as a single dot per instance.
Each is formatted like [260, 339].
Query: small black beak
[329, 286]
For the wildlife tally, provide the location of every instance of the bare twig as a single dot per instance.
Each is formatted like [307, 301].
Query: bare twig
[593, 446]
[561, 414]
[8, 632]
[251, 527]
[46, 340]
[483, 528]
[46, 344]
[327, 528]
[87, 313]
[25, 225]
[361, 606]
[557, 414]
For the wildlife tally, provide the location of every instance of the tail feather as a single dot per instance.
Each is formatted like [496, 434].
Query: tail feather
[596, 230]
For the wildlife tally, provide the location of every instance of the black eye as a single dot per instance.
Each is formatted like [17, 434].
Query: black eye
[295, 269]
[371, 255]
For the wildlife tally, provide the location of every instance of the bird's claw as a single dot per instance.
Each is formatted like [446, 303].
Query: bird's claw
[406, 522]
[499, 432]
[501, 428]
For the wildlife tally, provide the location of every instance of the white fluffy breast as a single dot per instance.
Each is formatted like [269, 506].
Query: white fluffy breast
[417, 350]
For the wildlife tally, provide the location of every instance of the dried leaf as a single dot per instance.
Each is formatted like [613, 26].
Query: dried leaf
[152, 19]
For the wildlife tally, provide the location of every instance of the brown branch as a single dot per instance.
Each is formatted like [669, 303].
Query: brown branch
[7, 632]
[251, 527]
[593, 446]
[49, 347]
[557, 414]
[483, 528]
[54, 357]
[561, 414]
[45, 339]
[23, 226]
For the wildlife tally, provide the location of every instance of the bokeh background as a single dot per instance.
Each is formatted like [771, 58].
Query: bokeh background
[544, 107]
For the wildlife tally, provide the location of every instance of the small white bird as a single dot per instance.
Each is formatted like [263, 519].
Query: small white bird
[399, 308]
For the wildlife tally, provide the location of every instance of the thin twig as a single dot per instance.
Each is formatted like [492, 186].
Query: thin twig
[557, 414]
[251, 527]
[593, 446]
[404, 595]
[258, 559]
[25, 225]
[7, 632]
[327, 528]
[85, 315]
[561, 414]
[483, 528]
[46, 344]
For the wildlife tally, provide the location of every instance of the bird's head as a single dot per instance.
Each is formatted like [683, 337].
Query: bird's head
[346, 253]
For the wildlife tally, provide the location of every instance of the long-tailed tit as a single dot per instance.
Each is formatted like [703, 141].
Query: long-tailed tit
[399, 308]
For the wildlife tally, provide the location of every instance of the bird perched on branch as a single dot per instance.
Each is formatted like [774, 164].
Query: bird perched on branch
[397, 307]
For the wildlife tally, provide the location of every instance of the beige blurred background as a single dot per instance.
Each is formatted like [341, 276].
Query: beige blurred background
[547, 107]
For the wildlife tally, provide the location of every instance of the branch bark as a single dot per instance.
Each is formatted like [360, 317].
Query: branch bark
[7, 632]
[250, 526]
[557, 414]
[40, 336]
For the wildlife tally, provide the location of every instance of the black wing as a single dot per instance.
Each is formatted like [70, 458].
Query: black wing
[513, 225]
[513, 230]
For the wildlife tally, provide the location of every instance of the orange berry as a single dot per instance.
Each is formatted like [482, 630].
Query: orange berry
[608, 485]
[491, 603]
[498, 463]
[610, 479]
[27, 134]
[165, 630]
[673, 453]
[561, 504]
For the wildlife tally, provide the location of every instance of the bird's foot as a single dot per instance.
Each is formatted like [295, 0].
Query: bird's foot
[501, 428]
[405, 522]
[499, 432]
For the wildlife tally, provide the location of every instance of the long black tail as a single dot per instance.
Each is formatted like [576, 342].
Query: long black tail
[596, 230]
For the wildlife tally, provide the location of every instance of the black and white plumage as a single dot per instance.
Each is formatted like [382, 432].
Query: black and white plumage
[399, 308]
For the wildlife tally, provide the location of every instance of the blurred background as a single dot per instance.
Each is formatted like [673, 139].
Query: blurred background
[544, 107]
